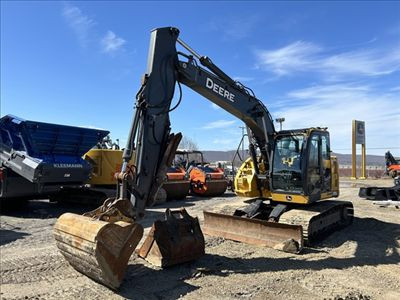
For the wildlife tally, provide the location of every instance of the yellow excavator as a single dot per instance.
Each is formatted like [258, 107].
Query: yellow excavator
[291, 170]
[303, 171]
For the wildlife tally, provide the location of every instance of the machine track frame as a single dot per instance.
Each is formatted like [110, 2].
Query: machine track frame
[320, 219]
[256, 223]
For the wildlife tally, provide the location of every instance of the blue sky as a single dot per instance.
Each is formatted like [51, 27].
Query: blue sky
[314, 63]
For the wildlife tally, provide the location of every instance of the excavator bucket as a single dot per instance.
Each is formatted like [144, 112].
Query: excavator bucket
[98, 249]
[175, 240]
[288, 238]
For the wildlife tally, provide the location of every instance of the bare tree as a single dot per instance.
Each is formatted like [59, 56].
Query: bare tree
[188, 144]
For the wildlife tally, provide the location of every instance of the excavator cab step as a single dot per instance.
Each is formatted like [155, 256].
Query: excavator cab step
[175, 240]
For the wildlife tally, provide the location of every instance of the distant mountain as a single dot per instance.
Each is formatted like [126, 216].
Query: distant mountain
[372, 160]
[344, 159]
[211, 156]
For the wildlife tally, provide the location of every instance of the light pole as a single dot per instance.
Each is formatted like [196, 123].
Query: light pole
[280, 121]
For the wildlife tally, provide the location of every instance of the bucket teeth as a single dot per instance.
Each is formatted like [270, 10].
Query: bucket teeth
[175, 240]
[98, 249]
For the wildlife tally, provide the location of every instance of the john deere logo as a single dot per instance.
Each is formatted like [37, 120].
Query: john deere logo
[289, 198]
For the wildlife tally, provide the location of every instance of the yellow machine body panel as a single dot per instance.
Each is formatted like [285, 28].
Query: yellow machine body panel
[298, 199]
[335, 176]
[105, 162]
[245, 181]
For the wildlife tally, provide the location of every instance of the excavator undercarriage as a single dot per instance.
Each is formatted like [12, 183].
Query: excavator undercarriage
[287, 228]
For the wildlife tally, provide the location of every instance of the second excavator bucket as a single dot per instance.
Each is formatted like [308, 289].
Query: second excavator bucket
[175, 240]
[98, 249]
[285, 237]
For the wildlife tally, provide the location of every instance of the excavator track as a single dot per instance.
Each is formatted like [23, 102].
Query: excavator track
[320, 219]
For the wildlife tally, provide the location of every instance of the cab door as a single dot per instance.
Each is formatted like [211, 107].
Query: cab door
[326, 163]
[318, 173]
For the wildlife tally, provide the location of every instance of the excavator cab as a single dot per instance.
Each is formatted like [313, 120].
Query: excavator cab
[302, 170]
[302, 167]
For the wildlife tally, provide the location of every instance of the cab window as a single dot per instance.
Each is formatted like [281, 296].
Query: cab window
[313, 170]
[287, 164]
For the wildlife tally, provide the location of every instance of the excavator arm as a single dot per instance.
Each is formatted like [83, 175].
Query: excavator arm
[150, 133]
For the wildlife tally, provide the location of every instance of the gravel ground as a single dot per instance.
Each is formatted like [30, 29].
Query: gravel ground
[359, 262]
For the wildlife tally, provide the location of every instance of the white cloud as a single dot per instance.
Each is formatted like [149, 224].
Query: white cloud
[328, 92]
[300, 57]
[111, 43]
[219, 124]
[364, 62]
[294, 57]
[83, 25]
[335, 106]
[80, 23]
